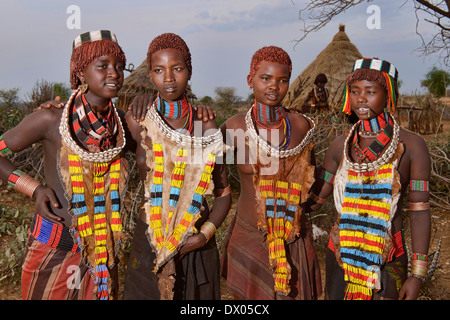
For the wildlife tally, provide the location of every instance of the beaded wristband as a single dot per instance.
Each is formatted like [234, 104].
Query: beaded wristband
[420, 256]
[14, 176]
[23, 183]
[5, 152]
[416, 276]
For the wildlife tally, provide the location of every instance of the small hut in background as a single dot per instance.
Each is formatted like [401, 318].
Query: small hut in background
[138, 83]
[336, 62]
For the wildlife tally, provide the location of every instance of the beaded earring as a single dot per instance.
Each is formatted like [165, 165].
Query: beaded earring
[83, 87]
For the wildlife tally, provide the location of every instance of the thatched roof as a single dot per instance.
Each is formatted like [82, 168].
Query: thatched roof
[138, 83]
[335, 61]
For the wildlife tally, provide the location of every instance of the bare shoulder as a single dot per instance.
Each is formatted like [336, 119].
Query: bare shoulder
[416, 153]
[51, 114]
[299, 122]
[413, 142]
[416, 161]
[44, 120]
[334, 153]
[235, 122]
[337, 146]
[36, 126]
[130, 124]
[127, 117]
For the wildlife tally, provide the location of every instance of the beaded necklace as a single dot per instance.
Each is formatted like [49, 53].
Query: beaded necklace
[374, 126]
[91, 131]
[103, 217]
[263, 113]
[95, 195]
[372, 152]
[176, 110]
[366, 199]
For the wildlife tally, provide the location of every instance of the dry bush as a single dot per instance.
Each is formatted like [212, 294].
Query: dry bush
[440, 175]
[423, 114]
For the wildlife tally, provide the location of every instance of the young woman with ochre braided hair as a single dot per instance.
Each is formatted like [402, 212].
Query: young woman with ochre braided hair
[174, 254]
[269, 254]
[368, 169]
[72, 245]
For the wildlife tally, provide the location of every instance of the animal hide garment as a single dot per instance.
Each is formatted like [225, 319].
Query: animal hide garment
[180, 176]
[281, 184]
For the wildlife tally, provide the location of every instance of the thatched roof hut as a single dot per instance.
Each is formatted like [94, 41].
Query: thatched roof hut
[138, 83]
[335, 61]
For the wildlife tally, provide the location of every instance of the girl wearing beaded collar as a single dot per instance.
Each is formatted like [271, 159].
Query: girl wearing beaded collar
[174, 254]
[269, 254]
[77, 221]
[369, 168]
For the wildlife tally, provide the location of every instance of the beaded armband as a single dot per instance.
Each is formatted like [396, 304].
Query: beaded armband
[327, 176]
[419, 185]
[5, 152]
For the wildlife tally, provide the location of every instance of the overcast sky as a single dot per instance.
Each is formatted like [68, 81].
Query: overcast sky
[221, 34]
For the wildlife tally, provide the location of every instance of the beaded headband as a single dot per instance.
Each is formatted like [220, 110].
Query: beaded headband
[93, 36]
[390, 74]
[376, 64]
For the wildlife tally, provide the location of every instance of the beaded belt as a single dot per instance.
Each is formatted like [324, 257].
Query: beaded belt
[52, 234]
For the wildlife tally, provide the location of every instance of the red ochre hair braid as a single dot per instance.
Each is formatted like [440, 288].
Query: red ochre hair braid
[169, 41]
[82, 56]
[270, 54]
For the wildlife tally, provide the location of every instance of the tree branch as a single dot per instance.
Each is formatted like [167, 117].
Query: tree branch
[436, 8]
[319, 13]
[438, 23]
[327, 10]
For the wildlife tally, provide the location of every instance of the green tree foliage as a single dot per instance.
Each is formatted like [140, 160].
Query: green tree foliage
[226, 97]
[206, 101]
[60, 89]
[10, 114]
[437, 82]
[9, 98]
[44, 91]
[13, 109]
